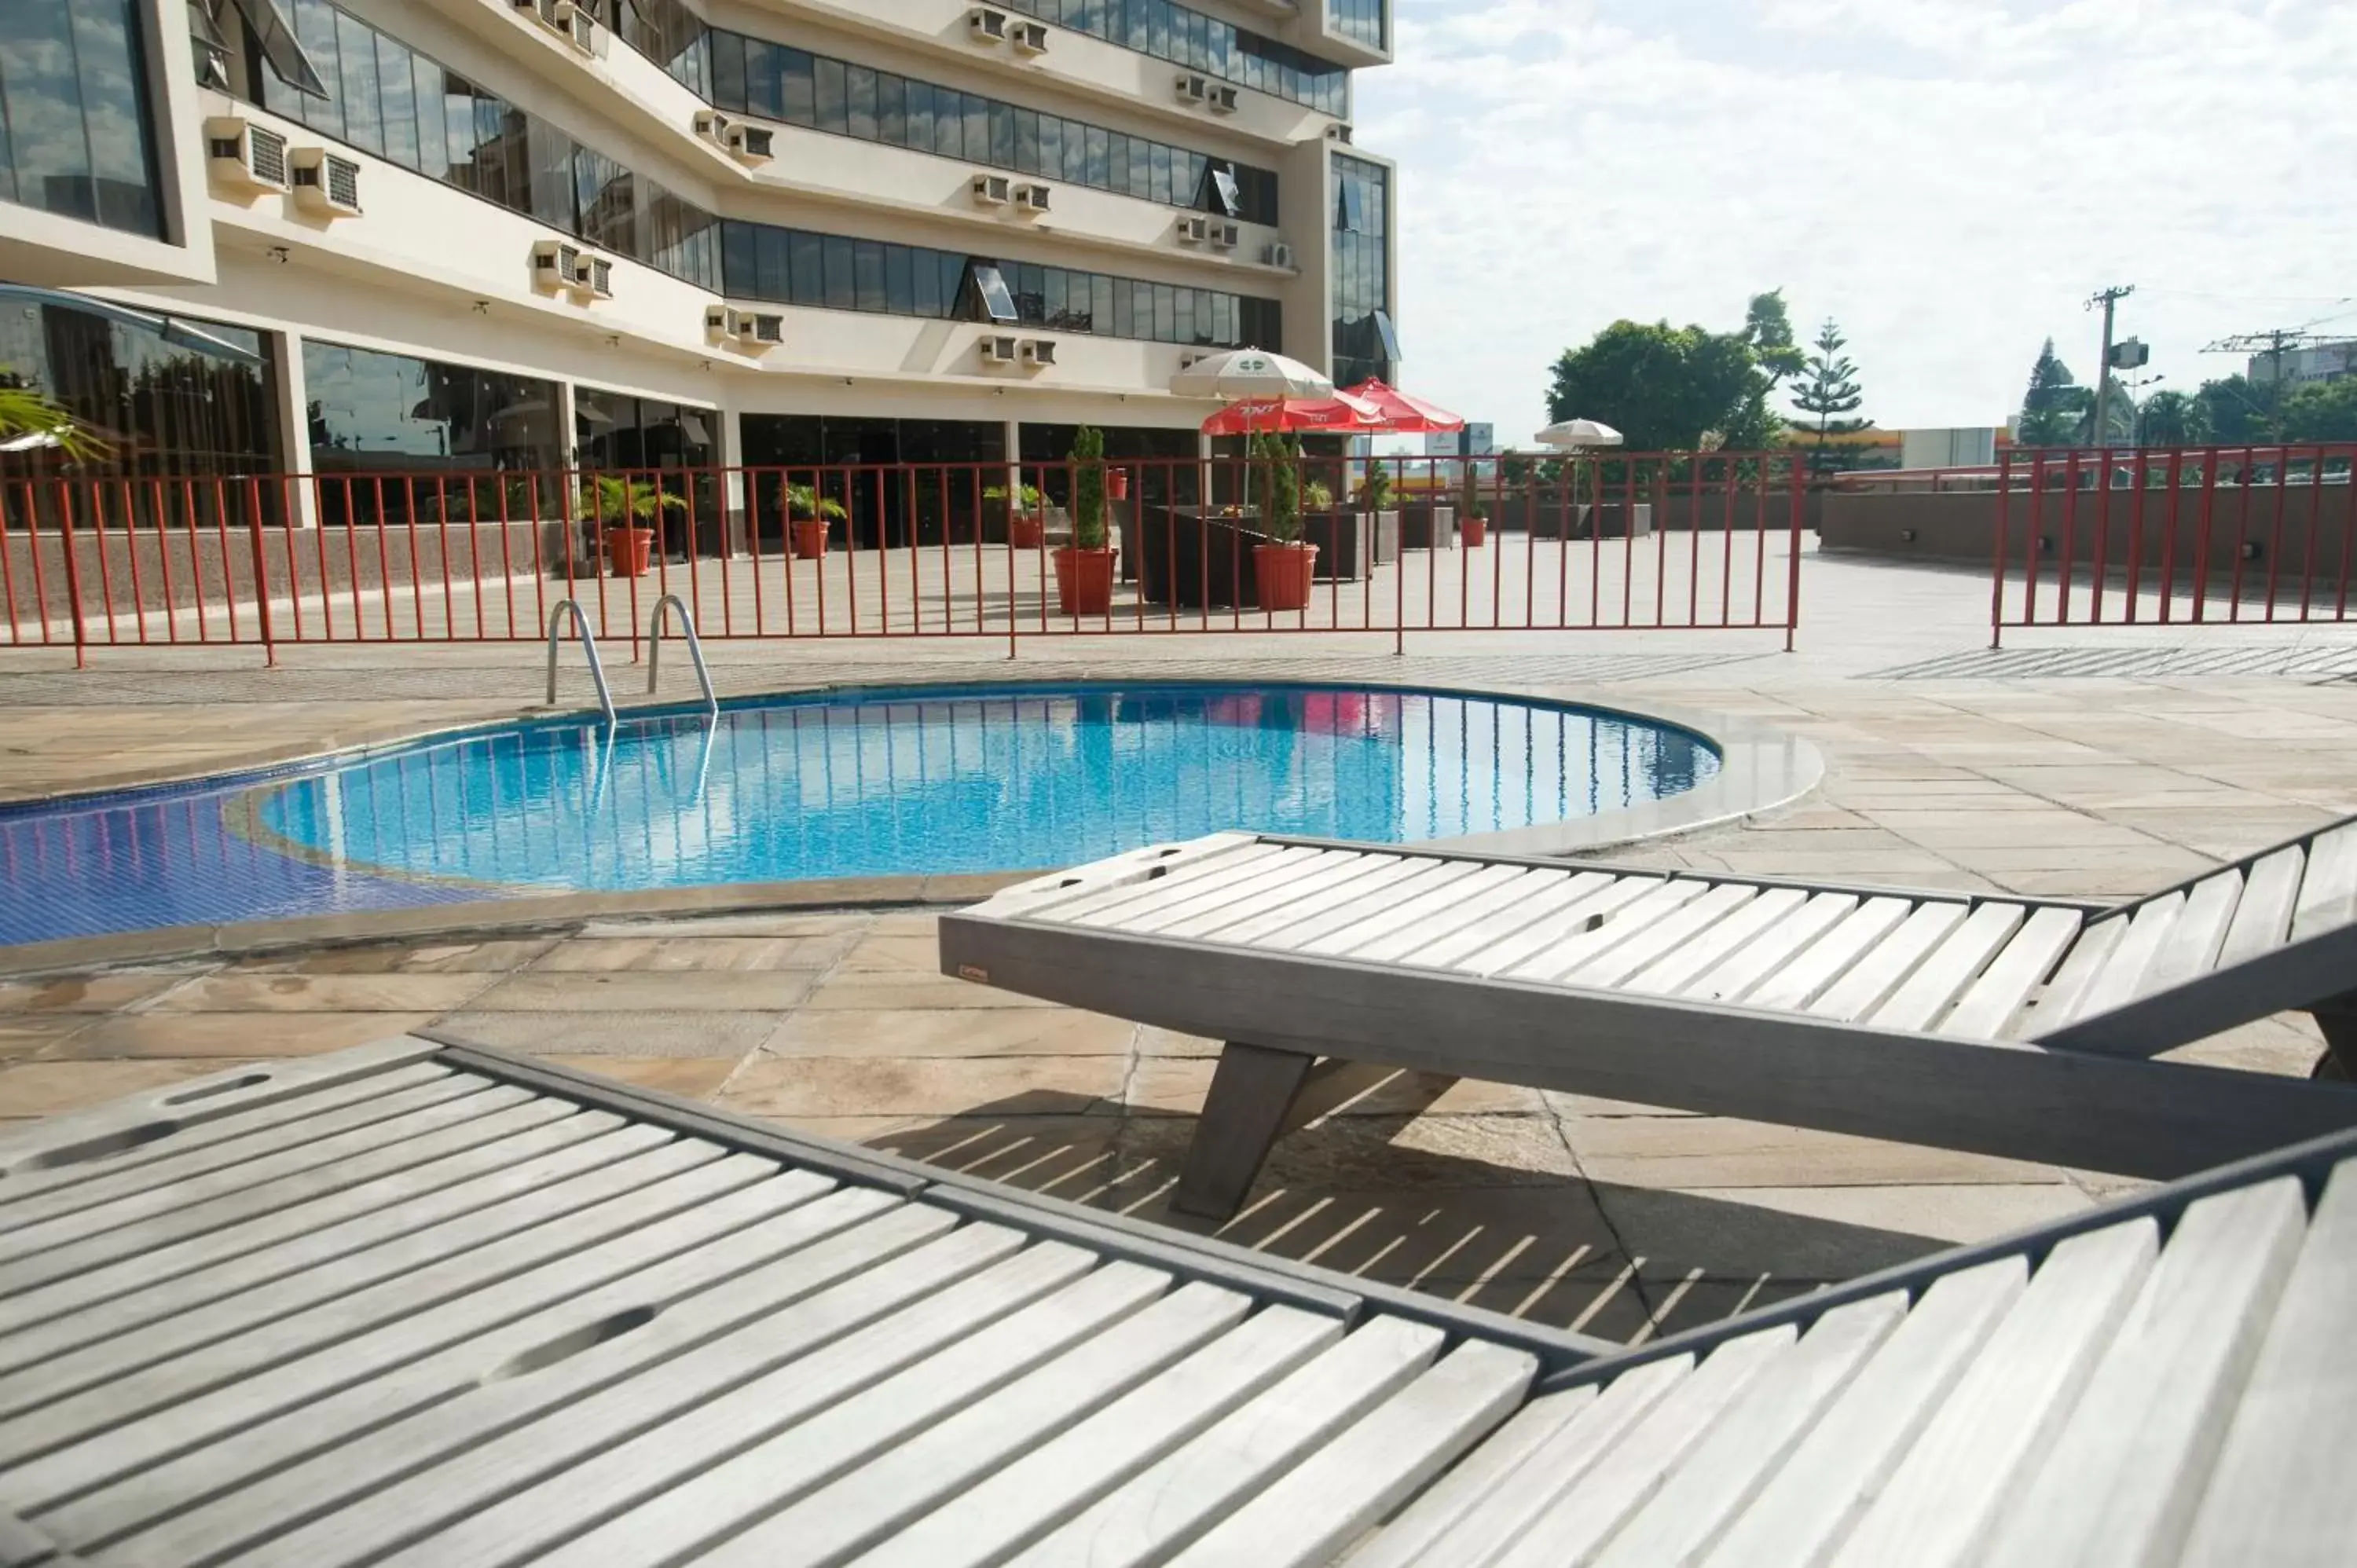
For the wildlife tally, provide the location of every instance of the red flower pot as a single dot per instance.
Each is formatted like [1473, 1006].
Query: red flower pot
[628, 550]
[1472, 530]
[808, 536]
[1027, 530]
[1117, 484]
[1284, 572]
[1084, 581]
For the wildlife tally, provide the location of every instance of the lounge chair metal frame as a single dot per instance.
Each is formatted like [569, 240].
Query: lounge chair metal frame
[2082, 1095]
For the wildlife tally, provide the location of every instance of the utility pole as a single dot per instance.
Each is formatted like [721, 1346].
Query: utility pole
[2109, 300]
[2270, 345]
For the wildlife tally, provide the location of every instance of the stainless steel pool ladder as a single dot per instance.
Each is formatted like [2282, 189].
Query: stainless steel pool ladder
[694, 648]
[588, 646]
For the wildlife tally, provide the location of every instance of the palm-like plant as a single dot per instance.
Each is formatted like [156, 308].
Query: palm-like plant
[25, 412]
[610, 498]
[1026, 497]
[1088, 488]
[804, 504]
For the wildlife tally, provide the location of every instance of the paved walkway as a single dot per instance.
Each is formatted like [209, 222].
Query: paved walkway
[1616, 1219]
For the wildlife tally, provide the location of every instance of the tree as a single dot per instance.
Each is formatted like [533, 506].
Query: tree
[24, 411]
[1829, 386]
[2057, 409]
[1662, 386]
[1768, 327]
[2175, 419]
[2322, 411]
[2238, 410]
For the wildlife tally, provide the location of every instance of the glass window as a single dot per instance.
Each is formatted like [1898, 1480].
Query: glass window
[1386, 335]
[1118, 178]
[925, 283]
[949, 122]
[764, 80]
[1030, 291]
[552, 197]
[362, 126]
[867, 274]
[315, 29]
[728, 53]
[842, 287]
[433, 139]
[860, 94]
[1103, 315]
[921, 116]
[1051, 297]
[801, 94]
[1002, 134]
[1165, 313]
[48, 136]
[809, 270]
[775, 282]
[397, 97]
[832, 94]
[990, 285]
[1123, 316]
[1159, 190]
[977, 128]
[1051, 148]
[952, 269]
[1223, 190]
[1100, 141]
[1027, 142]
[892, 111]
[900, 284]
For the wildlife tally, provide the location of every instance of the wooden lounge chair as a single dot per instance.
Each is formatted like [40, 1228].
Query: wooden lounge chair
[432, 1305]
[1994, 1025]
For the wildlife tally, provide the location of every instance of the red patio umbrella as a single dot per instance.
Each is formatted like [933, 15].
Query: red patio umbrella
[1401, 414]
[1339, 412]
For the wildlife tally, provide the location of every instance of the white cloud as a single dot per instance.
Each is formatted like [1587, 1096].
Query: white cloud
[1949, 178]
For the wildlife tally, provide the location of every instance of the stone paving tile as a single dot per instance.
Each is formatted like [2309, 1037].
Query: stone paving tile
[691, 1078]
[31, 1034]
[678, 1031]
[795, 924]
[32, 1090]
[966, 1032]
[1721, 1152]
[723, 992]
[873, 990]
[389, 991]
[797, 1087]
[232, 1035]
[87, 992]
[703, 954]
[486, 957]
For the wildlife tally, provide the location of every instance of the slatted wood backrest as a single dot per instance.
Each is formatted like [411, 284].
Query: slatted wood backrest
[2272, 933]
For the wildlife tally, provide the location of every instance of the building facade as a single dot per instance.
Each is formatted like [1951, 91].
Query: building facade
[322, 236]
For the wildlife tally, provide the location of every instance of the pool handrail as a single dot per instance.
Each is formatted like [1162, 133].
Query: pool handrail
[588, 646]
[694, 648]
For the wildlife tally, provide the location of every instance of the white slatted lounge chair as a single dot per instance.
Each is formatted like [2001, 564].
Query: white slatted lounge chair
[431, 1305]
[1993, 1025]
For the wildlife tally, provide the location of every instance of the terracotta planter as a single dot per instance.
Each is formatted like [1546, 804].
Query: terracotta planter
[1084, 581]
[628, 551]
[1472, 530]
[1284, 573]
[1117, 484]
[1027, 530]
[808, 535]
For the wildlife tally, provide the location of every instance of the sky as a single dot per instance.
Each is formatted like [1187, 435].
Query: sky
[1949, 180]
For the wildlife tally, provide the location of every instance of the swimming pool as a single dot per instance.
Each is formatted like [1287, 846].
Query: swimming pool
[846, 784]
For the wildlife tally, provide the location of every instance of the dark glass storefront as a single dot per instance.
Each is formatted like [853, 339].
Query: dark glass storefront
[668, 447]
[1364, 343]
[428, 436]
[1165, 474]
[75, 134]
[839, 456]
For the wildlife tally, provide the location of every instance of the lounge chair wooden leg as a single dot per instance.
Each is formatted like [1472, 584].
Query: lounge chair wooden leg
[2338, 1020]
[1251, 1092]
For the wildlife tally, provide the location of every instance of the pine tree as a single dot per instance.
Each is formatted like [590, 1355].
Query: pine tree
[1828, 386]
[2055, 408]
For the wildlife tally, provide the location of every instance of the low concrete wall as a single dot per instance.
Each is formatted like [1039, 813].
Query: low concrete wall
[1673, 513]
[2301, 529]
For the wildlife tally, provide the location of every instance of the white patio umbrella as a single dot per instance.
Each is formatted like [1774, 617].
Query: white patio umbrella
[1573, 435]
[1250, 374]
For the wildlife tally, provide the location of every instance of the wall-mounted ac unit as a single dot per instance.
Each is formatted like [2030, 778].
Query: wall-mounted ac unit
[1279, 254]
[1193, 230]
[1222, 100]
[712, 126]
[985, 26]
[556, 265]
[746, 331]
[580, 28]
[595, 276]
[245, 155]
[1193, 89]
[1029, 37]
[324, 182]
[751, 143]
[1189, 361]
[1038, 352]
[996, 351]
[993, 190]
[1226, 236]
[1032, 197]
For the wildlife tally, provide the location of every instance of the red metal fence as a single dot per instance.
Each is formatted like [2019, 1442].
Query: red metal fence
[1610, 543]
[2174, 536]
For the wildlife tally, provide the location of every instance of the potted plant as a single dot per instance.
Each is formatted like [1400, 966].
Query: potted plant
[1284, 565]
[1472, 517]
[625, 514]
[808, 513]
[1027, 525]
[1084, 567]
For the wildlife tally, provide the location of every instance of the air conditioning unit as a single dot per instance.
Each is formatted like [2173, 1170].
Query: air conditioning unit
[985, 26]
[746, 331]
[1193, 90]
[1029, 37]
[713, 126]
[594, 275]
[1193, 230]
[1226, 236]
[993, 190]
[998, 350]
[243, 155]
[751, 143]
[580, 28]
[1038, 352]
[556, 265]
[1032, 197]
[1189, 361]
[1223, 101]
[1278, 254]
[324, 182]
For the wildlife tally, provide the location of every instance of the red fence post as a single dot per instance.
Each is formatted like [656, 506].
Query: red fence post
[1793, 563]
[73, 575]
[1997, 573]
[261, 569]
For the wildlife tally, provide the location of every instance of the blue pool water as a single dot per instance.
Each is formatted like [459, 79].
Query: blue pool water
[868, 784]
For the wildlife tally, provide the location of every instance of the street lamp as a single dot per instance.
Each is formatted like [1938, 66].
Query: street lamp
[2136, 391]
